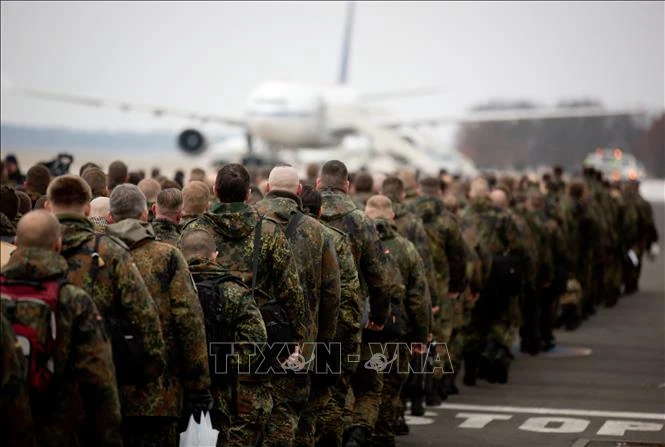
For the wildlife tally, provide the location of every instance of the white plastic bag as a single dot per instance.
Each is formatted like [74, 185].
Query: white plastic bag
[199, 435]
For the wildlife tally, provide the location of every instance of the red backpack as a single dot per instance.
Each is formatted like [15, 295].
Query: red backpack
[30, 306]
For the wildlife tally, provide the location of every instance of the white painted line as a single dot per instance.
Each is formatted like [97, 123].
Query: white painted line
[551, 411]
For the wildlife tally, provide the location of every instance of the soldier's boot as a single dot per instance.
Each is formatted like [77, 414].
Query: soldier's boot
[486, 362]
[470, 369]
[417, 408]
[502, 364]
[357, 436]
[400, 427]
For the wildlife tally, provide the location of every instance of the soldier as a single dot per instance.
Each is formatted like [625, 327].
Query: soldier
[14, 175]
[449, 260]
[99, 210]
[195, 201]
[186, 380]
[103, 267]
[411, 313]
[361, 189]
[348, 333]
[254, 248]
[24, 205]
[167, 211]
[36, 182]
[378, 279]
[150, 189]
[8, 212]
[82, 361]
[234, 319]
[117, 175]
[319, 275]
[494, 312]
[96, 178]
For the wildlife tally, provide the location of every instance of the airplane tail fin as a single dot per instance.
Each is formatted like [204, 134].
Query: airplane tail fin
[346, 44]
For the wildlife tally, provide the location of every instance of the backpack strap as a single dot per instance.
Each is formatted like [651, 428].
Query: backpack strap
[294, 221]
[255, 253]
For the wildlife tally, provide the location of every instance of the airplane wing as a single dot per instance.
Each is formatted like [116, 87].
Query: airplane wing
[515, 115]
[124, 106]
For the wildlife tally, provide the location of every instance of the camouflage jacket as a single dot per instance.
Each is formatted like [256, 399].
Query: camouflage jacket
[7, 228]
[376, 272]
[166, 231]
[315, 256]
[532, 238]
[415, 306]
[446, 245]
[233, 226]
[119, 289]
[166, 275]
[351, 303]
[99, 223]
[84, 373]
[16, 424]
[411, 227]
[490, 230]
[241, 323]
[187, 218]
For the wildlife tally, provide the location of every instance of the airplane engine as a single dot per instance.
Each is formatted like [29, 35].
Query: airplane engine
[192, 142]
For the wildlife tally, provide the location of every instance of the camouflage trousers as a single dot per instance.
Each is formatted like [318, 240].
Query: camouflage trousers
[391, 403]
[631, 273]
[444, 321]
[250, 413]
[319, 396]
[150, 431]
[488, 323]
[612, 281]
[289, 393]
[355, 402]
[456, 343]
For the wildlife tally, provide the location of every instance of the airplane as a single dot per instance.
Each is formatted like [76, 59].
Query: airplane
[298, 116]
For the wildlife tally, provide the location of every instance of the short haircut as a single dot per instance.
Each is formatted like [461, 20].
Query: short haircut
[8, 202]
[24, 202]
[87, 165]
[117, 174]
[232, 183]
[37, 178]
[169, 200]
[284, 178]
[100, 207]
[379, 207]
[311, 199]
[135, 177]
[334, 174]
[577, 189]
[479, 188]
[69, 191]
[197, 174]
[393, 188]
[96, 178]
[150, 189]
[38, 229]
[167, 183]
[127, 202]
[558, 171]
[195, 197]
[431, 186]
[363, 182]
[408, 178]
[197, 244]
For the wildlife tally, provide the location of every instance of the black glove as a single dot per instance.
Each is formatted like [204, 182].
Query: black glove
[196, 402]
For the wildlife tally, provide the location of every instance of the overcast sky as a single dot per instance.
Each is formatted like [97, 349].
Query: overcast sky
[208, 56]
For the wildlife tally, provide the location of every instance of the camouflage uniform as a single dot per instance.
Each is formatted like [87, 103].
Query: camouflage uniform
[7, 229]
[16, 424]
[233, 225]
[493, 316]
[187, 218]
[319, 275]
[378, 279]
[119, 288]
[165, 273]
[166, 231]
[632, 236]
[99, 223]
[240, 421]
[414, 308]
[84, 374]
[349, 336]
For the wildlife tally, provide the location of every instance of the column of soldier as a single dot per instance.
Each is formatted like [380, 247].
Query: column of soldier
[131, 303]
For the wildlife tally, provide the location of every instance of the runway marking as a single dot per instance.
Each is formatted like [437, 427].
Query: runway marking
[551, 411]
